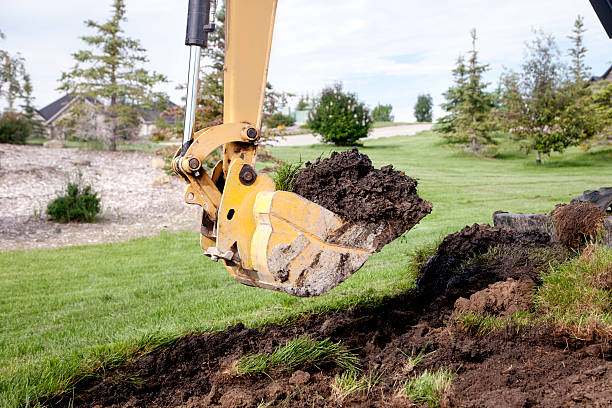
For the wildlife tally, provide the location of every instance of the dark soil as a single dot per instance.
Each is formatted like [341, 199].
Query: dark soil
[347, 184]
[507, 368]
[578, 222]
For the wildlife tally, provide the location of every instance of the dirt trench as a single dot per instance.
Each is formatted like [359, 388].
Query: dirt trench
[507, 368]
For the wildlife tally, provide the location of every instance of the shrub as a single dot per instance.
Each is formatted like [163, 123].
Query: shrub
[78, 203]
[382, 113]
[277, 120]
[14, 128]
[339, 117]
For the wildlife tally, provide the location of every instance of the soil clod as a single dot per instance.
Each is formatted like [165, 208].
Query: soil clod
[578, 222]
[348, 184]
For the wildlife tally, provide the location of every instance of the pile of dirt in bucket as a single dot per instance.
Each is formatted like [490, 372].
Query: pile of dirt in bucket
[508, 368]
[348, 184]
[578, 222]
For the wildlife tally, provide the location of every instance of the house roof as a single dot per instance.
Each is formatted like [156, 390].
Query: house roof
[151, 115]
[53, 108]
[604, 76]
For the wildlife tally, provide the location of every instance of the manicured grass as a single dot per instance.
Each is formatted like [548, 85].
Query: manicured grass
[67, 312]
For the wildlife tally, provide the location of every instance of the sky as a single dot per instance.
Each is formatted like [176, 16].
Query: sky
[388, 51]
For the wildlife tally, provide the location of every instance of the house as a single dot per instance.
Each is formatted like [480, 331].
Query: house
[54, 114]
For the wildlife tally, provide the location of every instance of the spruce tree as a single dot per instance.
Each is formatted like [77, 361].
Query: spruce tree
[110, 73]
[469, 103]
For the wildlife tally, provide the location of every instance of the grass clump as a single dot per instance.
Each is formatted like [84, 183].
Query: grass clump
[483, 324]
[413, 360]
[577, 294]
[78, 203]
[286, 175]
[429, 387]
[350, 381]
[302, 352]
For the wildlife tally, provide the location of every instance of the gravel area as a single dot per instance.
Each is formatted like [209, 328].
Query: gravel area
[132, 206]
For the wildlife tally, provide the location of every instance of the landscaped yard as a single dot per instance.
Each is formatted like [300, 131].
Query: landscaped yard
[69, 311]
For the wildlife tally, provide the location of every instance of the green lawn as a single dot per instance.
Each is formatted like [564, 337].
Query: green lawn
[69, 311]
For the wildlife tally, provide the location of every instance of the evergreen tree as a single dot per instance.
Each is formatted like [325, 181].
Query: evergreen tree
[578, 68]
[469, 103]
[110, 73]
[423, 108]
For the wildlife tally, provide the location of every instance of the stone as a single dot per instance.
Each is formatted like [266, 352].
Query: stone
[82, 163]
[602, 198]
[54, 144]
[162, 181]
[158, 163]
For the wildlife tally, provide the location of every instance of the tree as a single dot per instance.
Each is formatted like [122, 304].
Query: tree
[110, 73]
[382, 113]
[304, 103]
[542, 107]
[209, 111]
[339, 117]
[15, 82]
[469, 103]
[578, 68]
[423, 108]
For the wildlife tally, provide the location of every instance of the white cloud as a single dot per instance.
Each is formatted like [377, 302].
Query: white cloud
[387, 51]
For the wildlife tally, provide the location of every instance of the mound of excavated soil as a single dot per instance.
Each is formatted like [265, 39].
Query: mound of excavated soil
[499, 299]
[577, 222]
[347, 184]
[507, 368]
[448, 274]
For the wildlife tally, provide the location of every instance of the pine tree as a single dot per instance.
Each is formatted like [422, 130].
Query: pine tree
[469, 103]
[110, 73]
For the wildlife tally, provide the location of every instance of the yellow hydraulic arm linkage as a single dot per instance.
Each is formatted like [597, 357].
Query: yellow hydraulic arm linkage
[271, 239]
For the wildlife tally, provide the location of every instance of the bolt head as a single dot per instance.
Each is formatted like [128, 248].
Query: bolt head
[251, 133]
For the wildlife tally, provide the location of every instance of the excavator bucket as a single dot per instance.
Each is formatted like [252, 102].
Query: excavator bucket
[282, 241]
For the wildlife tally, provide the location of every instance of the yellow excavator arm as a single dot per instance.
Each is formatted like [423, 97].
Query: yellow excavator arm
[267, 238]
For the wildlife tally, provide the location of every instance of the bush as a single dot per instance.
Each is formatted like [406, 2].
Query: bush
[382, 113]
[79, 203]
[339, 117]
[14, 128]
[277, 120]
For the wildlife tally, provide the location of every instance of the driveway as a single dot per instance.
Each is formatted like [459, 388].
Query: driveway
[310, 139]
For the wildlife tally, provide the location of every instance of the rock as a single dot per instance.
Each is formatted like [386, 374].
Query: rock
[602, 198]
[299, 378]
[162, 181]
[158, 163]
[54, 144]
[81, 163]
